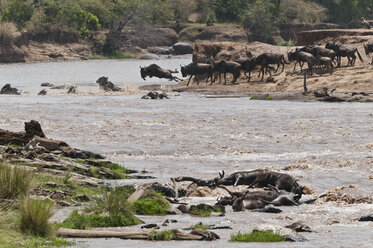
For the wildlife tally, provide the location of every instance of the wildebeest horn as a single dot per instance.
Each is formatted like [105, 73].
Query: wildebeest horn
[222, 174]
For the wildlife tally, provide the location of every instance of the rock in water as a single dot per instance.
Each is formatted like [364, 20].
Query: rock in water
[182, 48]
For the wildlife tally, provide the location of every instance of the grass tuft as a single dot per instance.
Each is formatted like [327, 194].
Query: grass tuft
[257, 236]
[35, 215]
[286, 43]
[165, 235]
[14, 181]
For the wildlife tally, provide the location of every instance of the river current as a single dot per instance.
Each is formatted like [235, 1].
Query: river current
[325, 145]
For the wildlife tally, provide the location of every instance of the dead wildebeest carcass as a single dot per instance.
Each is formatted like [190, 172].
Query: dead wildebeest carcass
[194, 69]
[280, 181]
[225, 67]
[237, 178]
[319, 51]
[344, 51]
[266, 59]
[369, 49]
[154, 70]
[301, 57]
[248, 65]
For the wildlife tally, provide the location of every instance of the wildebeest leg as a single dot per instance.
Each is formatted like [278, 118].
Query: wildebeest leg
[196, 80]
[295, 65]
[225, 78]
[283, 67]
[189, 80]
[262, 70]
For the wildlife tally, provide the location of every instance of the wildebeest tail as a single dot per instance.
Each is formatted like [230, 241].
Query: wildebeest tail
[361, 59]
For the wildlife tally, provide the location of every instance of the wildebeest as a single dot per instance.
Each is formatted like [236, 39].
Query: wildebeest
[8, 89]
[154, 70]
[104, 84]
[280, 181]
[238, 178]
[194, 69]
[344, 51]
[262, 198]
[369, 49]
[248, 65]
[319, 51]
[225, 67]
[265, 59]
[323, 62]
[301, 57]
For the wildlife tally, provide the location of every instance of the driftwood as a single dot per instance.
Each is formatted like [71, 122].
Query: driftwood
[178, 235]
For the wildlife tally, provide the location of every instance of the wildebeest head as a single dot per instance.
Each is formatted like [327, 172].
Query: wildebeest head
[297, 189]
[184, 70]
[143, 72]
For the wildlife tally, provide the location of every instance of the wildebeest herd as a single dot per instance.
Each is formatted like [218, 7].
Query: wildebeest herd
[323, 58]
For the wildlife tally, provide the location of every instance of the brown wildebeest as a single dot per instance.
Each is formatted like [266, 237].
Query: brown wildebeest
[344, 51]
[194, 69]
[154, 70]
[265, 59]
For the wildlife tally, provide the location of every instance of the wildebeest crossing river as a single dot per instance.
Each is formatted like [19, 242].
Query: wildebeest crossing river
[325, 145]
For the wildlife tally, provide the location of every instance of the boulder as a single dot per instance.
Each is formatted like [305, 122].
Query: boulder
[149, 56]
[160, 50]
[182, 48]
[32, 129]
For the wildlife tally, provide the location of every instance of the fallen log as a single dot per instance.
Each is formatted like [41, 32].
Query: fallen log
[177, 235]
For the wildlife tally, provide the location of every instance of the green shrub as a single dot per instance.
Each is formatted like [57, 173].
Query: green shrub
[200, 226]
[203, 210]
[19, 12]
[14, 181]
[258, 236]
[210, 19]
[86, 221]
[35, 215]
[154, 204]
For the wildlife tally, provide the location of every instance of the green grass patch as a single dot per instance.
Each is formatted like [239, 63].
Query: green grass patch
[286, 43]
[201, 226]
[203, 210]
[253, 98]
[257, 236]
[268, 97]
[153, 204]
[87, 221]
[11, 235]
[107, 168]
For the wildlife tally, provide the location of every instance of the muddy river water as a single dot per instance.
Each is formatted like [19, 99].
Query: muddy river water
[326, 145]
